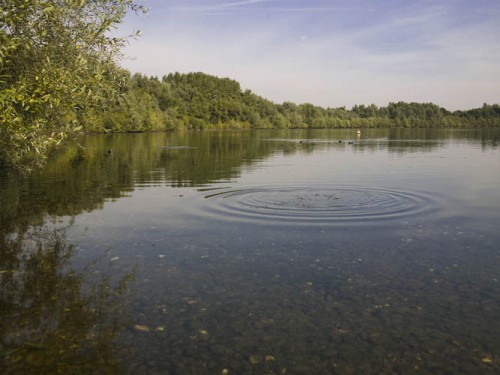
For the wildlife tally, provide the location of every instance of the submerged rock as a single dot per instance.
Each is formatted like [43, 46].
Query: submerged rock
[255, 359]
[142, 328]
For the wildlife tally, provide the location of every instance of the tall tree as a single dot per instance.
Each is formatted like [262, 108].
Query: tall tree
[57, 59]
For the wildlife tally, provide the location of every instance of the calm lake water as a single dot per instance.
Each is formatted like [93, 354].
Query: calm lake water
[263, 252]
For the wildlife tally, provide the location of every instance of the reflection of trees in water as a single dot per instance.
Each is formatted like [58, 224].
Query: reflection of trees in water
[54, 318]
[81, 178]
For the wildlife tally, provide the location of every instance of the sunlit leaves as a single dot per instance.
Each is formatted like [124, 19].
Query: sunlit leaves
[57, 60]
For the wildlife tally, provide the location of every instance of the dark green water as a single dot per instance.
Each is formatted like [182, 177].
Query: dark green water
[255, 253]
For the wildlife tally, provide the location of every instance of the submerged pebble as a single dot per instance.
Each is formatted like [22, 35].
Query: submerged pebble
[140, 327]
[255, 359]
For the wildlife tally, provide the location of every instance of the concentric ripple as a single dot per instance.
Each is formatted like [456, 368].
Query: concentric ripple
[317, 205]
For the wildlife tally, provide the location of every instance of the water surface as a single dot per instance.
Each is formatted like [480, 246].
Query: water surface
[264, 252]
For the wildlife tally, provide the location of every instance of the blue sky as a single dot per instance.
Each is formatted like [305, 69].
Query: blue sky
[327, 52]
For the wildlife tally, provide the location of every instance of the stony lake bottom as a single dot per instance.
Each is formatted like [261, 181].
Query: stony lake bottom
[255, 252]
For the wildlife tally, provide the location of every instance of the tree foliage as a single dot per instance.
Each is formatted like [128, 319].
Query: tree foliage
[201, 101]
[57, 60]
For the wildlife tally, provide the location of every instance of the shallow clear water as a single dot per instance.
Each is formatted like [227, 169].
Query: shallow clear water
[267, 252]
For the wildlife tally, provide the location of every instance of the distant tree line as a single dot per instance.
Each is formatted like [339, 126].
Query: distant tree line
[196, 101]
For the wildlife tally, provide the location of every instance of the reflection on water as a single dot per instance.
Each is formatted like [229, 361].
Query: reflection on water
[290, 252]
[325, 205]
[53, 318]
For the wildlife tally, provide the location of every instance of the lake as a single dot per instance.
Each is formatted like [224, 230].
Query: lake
[255, 252]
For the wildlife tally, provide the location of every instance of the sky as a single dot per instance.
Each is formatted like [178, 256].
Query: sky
[331, 53]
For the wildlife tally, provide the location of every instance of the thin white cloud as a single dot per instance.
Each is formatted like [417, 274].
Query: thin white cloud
[266, 8]
[310, 9]
[214, 7]
[239, 3]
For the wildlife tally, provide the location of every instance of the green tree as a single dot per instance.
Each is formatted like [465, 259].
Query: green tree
[57, 60]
